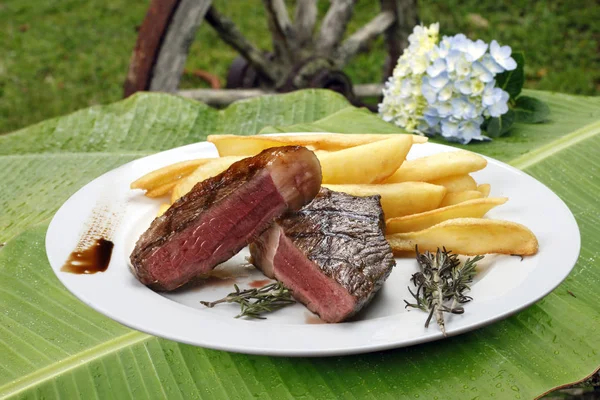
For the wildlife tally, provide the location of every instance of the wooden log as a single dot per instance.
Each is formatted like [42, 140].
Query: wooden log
[231, 35]
[224, 97]
[361, 38]
[304, 22]
[368, 90]
[282, 33]
[221, 97]
[175, 45]
[334, 25]
[396, 36]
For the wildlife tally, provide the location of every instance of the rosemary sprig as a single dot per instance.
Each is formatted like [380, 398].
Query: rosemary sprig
[441, 284]
[267, 299]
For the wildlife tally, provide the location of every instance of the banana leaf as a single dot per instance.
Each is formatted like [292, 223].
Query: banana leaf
[53, 346]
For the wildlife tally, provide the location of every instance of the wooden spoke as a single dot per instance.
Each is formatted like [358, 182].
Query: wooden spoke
[176, 44]
[147, 46]
[334, 25]
[359, 40]
[304, 22]
[284, 41]
[231, 35]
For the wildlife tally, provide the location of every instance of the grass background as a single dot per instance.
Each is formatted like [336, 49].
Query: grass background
[57, 56]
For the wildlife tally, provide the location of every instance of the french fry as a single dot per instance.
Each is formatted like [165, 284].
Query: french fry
[162, 209]
[437, 166]
[476, 208]
[202, 173]
[457, 183]
[398, 199]
[458, 197]
[161, 190]
[233, 145]
[485, 189]
[367, 163]
[340, 141]
[320, 153]
[168, 174]
[469, 236]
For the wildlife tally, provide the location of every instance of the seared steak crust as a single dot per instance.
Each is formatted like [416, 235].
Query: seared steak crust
[290, 175]
[344, 235]
[338, 236]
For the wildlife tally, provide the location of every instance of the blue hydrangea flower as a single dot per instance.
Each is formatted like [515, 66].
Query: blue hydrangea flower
[495, 100]
[502, 56]
[446, 86]
[476, 50]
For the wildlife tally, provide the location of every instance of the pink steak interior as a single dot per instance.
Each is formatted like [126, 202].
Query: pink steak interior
[218, 234]
[319, 293]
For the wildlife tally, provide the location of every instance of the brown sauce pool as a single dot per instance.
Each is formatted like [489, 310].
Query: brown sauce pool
[259, 283]
[90, 260]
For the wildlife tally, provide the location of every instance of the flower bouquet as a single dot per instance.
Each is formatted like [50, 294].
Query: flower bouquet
[460, 89]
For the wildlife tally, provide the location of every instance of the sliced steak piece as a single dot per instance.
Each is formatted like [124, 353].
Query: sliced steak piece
[221, 215]
[332, 253]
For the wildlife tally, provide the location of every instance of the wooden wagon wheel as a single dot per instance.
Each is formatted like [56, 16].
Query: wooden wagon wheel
[300, 58]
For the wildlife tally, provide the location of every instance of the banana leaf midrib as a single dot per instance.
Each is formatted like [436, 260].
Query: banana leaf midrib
[535, 156]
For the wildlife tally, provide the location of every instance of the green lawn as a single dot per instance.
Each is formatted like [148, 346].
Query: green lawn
[57, 56]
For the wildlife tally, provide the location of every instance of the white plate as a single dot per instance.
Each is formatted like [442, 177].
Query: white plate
[504, 285]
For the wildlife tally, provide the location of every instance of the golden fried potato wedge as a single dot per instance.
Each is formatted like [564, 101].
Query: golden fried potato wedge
[168, 174]
[476, 208]
[485, 189]
[469, 236]
[459, 197]
[162, 209]
[233, 145]
[161, 190]
[367, 163]
[320, 153]
[437, 166]
[340, 141]
[202, 173]
[398, 199]
[457, 183]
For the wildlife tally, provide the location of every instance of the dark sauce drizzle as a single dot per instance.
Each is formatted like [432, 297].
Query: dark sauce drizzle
[90, 260]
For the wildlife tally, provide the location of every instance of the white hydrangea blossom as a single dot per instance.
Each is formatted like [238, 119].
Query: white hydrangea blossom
[446, 88]
[404, 102]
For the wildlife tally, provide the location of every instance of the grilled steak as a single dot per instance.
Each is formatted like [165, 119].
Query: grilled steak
[332, 253]
[221, 215]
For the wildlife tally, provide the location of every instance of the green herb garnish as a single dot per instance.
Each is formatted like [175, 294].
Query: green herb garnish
[267, 299]
[441, 284]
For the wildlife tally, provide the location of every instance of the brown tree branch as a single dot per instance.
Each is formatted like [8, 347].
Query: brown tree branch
[361, 38]
[334, 25]
[231, 35]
